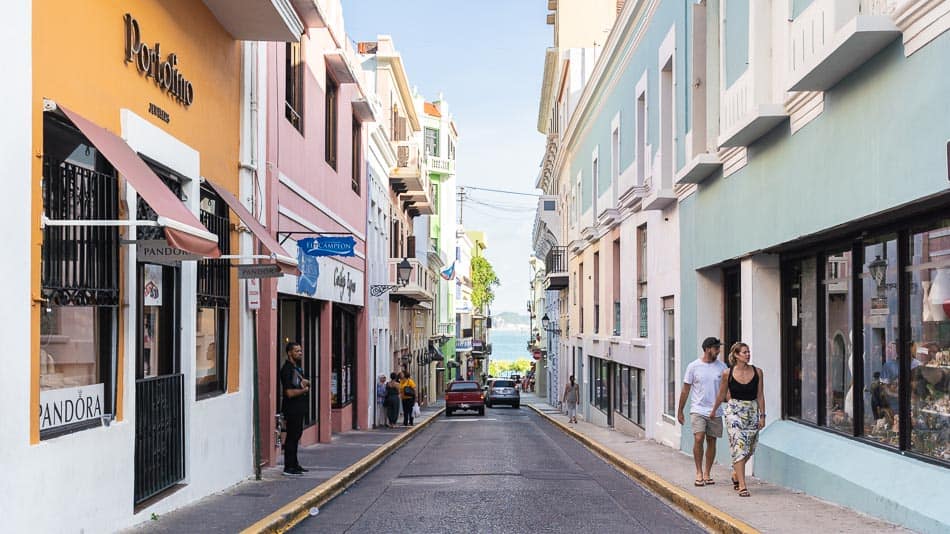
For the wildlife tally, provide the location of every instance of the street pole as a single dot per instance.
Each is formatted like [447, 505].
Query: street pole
[257, 408]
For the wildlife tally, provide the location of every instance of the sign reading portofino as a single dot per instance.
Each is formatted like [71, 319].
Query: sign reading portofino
[60, 407]
[149, 62]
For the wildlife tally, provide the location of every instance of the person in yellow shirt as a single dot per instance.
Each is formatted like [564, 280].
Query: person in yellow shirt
[407, 392]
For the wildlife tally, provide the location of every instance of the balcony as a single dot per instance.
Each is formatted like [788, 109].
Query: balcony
[407, 177]
[421, 286]
[745, 116]
[440, 165]
[832, 38]
[253, 20]
[445, 329]
[700, 167]
[657, 198]
[555, 268]
[420, 201]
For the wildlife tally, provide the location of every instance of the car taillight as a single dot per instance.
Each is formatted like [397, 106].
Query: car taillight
[482, 396]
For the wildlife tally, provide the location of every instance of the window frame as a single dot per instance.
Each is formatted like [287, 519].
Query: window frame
[213, 290]
[356, 152]
[331, 121]
[293, 84]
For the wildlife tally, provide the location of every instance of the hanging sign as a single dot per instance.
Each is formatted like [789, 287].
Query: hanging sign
[60, 407]
[159, 251]
[267, 270]
[328, 246]
[253, 293]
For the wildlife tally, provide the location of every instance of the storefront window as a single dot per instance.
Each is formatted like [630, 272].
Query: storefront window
[628, 398]
[881, 329]
[214, 296]
[929, 348]
[801, 328]
[599, 376]
[839, 396]
[80, 284]
[342, 381]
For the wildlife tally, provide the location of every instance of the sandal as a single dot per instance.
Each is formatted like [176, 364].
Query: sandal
[699, 482]
[735, 483]
[709, 482]
[744, 493]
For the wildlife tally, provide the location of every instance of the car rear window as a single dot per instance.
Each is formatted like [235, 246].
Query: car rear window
[503, 384]
[463, 386]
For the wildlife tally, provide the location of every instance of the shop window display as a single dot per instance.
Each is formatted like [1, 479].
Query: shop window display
[839, 393]
[929, 281]
[881, 320]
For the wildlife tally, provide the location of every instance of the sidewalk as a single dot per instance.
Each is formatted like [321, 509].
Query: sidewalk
[244, 504]
[770, 509]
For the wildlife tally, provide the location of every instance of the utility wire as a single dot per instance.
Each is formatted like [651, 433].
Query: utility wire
[500, 191]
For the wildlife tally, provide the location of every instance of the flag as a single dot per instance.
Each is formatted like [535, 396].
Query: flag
[449, 272]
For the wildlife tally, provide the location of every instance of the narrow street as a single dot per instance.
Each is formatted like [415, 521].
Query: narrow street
[508, 471]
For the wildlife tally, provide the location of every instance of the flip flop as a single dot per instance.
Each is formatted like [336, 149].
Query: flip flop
[744, 493]
[699, 482]
[709, 482]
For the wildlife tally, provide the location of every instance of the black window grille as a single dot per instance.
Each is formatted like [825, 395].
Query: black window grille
[214, 288]
[144, 212]
[80, 263]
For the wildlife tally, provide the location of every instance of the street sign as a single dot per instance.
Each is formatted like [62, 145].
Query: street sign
[268, 270]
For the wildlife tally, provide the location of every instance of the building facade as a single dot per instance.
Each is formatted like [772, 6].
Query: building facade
[674, 202]
[140, 380]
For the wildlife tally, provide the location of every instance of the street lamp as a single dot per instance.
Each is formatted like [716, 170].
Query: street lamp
[403, 272]
[546, 324]
[878, 269]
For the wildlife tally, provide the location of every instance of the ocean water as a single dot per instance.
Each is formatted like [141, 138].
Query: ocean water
[509, 345]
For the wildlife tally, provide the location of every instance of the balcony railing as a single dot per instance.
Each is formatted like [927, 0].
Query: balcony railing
[446, 329]
[422, 284]
[406, 176]
[555, 268]
[440, 165]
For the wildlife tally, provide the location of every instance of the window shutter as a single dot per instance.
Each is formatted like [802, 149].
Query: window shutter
[619, 6]
[400, 128]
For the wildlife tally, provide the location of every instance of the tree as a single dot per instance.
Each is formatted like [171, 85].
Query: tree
[484, 280]
[519, 366]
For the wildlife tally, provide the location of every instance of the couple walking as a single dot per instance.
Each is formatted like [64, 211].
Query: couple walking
[711, 384]
[400, 390]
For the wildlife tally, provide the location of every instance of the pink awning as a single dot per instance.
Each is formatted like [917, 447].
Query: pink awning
[183, 230]
[286, 263]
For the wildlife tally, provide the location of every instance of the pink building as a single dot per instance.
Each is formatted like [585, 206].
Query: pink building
[315, 186]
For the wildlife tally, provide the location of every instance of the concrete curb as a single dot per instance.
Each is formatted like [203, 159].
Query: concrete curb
[710, 516]
[297, 510]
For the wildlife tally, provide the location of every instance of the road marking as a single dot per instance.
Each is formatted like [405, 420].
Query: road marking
[469, 420]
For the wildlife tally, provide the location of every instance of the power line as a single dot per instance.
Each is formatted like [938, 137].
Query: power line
[499, 191]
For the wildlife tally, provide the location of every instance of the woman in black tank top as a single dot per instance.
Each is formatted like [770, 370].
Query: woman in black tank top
[745, 410]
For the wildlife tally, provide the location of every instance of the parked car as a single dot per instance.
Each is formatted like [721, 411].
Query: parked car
[502, 391]
[464, 395]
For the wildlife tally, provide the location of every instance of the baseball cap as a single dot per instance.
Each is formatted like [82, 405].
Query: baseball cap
[711, 342]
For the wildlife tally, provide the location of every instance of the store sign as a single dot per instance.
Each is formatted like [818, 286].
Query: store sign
[149, 61]
[339, 282]
[267, 270]
[464, 343]
[343, 282]
[254, 293]
[159, 251]
[152, 285]
[328, 246]
[61, 407]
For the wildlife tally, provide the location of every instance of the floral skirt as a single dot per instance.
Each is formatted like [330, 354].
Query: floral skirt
[742, 423]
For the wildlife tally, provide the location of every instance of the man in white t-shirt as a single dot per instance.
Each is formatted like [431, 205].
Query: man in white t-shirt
[702, 379]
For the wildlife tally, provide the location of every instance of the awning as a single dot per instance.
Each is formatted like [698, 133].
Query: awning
[183, 230]
[286, 263]
[435, 355]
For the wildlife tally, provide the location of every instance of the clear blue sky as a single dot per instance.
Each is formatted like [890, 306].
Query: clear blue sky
[486, 57]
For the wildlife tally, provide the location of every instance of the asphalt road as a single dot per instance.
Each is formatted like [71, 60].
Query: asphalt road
[509, 471]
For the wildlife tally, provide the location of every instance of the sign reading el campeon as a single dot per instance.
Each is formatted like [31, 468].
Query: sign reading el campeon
[323, 278]
[328, 246]
[61, 407]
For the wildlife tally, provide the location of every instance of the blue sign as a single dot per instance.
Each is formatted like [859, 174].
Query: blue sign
[328, 246]
[309, 273]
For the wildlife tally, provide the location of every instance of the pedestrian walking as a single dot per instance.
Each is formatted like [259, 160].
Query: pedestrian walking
[745, 410]
[392, 400]
[572, 393]
[407, 392]
[380, 401]
[296, 388]
[702, 380]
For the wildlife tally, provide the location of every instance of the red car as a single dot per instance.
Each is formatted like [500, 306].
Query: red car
[464, 395]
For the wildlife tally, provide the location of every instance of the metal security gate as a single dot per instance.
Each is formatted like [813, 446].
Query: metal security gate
[159, 435]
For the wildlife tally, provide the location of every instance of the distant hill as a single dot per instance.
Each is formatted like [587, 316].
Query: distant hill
[510, 320]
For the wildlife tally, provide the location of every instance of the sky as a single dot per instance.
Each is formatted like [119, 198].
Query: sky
[486, 57]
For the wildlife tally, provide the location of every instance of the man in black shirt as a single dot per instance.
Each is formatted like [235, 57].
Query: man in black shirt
[294, 404]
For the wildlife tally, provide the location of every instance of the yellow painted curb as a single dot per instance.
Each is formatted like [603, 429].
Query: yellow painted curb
[297, 510]
[705, 513]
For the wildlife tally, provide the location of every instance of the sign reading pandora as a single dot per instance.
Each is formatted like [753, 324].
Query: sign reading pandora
[60, 407]
[149, 61]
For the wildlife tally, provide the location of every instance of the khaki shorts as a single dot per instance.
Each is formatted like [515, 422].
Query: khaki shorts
[712, 427]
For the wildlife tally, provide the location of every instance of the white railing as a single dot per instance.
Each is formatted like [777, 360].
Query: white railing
[737, 101]
[440, 164]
